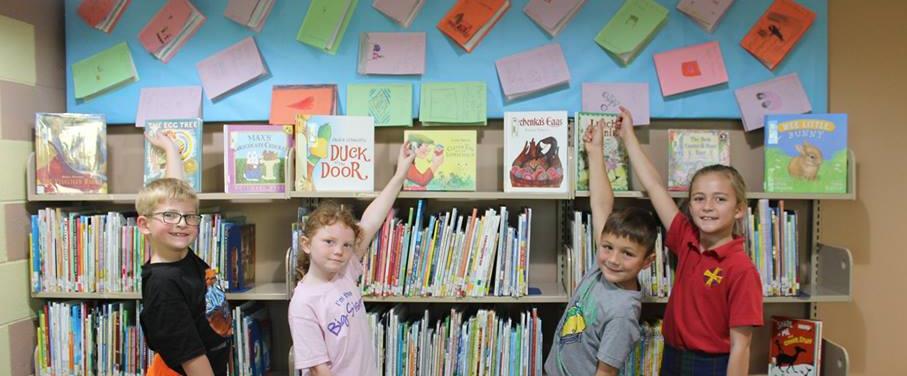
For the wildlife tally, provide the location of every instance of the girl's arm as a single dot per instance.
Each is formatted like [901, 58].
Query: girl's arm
[174, 163]
[739, 362]
[320, 370]
[601, 197]
[375, 213]
[646, 172]
[198, 366]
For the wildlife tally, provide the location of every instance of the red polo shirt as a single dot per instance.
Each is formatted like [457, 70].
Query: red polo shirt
[713, 292]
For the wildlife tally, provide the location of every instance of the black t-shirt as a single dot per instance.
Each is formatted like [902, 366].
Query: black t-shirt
[184, 315]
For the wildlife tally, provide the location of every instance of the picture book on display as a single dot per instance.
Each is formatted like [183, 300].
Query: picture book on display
[445, 160]
[535, 151]
[403, 12]
[795, 348]
[170, 28]
[287, 101]
[806, 153]
[187, 135]
[689, 150]
[468, 21]
[631, 29]
[255, 156]
[70, 153]
[102, 14]
[608, 97]
[689, 68]
[552, 15]
[780, 95]
[325, 23]
[103, 71]
[392, 53]
[778, 31]
[616, 162]
[335, 153]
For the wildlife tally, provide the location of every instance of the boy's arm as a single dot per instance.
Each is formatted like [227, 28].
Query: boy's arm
[320, 370]
[376, 212]
[648, 175]
[198, 366]
[601, 197]
[174, 167]
[605, 370]
[739, 361]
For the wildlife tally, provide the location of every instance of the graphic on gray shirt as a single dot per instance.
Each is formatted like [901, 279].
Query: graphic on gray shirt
[600, 324]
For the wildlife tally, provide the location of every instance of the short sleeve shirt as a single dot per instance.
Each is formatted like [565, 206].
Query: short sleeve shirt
[329, 324]
[185, 313]
[714, 291]
[601, 324]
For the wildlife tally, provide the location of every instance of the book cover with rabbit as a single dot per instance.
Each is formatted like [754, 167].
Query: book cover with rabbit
[535, 151]
[806, 153]
[795, 348]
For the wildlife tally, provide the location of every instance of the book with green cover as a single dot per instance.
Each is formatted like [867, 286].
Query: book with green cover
[453, 103]
[631, 28]
[103, 71]
[806, 153]
[389, 104]
[692, 149]
[325, 23]
[445, 160]
[615, 155]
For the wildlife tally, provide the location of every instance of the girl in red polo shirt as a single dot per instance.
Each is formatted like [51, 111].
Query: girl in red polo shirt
[717, 294]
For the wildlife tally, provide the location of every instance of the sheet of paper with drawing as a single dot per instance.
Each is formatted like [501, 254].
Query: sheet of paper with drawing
[449, 103]
[533, 71]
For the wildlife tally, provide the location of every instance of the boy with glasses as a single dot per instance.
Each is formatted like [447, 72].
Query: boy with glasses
[185, 317]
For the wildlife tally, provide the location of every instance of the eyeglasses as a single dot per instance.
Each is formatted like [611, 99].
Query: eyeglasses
[173, 218]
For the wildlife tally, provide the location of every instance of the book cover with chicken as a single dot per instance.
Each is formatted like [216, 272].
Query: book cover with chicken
[445, 160]
[335, 153]
[70, 153]
[806, 153]
[255, 156]
[616, 162]
[535, 151]
[795, 348]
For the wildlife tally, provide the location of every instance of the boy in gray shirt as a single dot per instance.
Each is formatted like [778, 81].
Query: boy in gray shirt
[601, 324]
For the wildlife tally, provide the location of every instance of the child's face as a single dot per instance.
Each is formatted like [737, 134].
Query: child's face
[330, 248]
[713, 204]
[620, 260]
[170, 236]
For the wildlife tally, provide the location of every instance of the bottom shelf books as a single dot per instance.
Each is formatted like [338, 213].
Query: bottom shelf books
[251, 340]
[795, 348]
[484, 343]
[91, 339]
[645, 359]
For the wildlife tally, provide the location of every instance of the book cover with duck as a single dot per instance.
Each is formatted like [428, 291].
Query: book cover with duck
[335, 153]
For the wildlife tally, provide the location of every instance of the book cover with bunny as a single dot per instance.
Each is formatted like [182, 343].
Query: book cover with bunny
[806, 153]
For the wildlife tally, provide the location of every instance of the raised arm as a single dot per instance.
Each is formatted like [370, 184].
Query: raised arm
[376, 212]
[601, 197]
[646, 172]
[160, 140]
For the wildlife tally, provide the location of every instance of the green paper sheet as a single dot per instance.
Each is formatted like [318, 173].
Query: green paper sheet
[462, 103]
[388, 104]
[325, 23]
[631, 27]
[103, 71]
[17, 46]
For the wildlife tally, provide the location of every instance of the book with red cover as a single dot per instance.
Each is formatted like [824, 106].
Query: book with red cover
[102, 14]
[777, 31]
[468, 21]
[796, 347]
[170, 28]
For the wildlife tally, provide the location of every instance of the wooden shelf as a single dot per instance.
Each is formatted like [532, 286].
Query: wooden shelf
[550, 294]
[265, 291]
[749, 195]
[471, 196]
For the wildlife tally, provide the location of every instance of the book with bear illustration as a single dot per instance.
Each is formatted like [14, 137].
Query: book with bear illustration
[795, 348]
[535, 151]
[616, 162]
[445, 160]
[806, 153]
[255, 156]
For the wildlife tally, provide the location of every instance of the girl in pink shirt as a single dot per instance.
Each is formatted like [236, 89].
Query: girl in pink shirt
[328, 322]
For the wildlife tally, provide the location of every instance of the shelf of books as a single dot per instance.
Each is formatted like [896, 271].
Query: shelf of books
[265, 291]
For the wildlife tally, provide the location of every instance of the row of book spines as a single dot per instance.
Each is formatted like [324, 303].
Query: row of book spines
[771, 238]
[84, 253]
[219, 250]
[645, 359]
[404, 261]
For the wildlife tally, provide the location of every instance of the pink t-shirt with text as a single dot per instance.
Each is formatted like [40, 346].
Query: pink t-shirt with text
[329, 324]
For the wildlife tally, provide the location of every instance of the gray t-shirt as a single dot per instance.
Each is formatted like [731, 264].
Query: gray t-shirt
[600, 324]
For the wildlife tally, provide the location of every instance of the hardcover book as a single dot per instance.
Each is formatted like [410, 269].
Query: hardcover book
[535, 151]
[70, 153]
[806, 153]
[335, 153]
[187, 135]
[689, 150]
[616, 162]
[254, 158]
[445, 160]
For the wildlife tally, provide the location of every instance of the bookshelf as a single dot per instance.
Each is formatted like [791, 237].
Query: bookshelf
[826, 269]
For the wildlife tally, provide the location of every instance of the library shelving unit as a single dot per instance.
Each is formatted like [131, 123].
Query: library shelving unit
[825, 270]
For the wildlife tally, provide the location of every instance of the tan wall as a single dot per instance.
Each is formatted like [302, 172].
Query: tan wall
[867, 58]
